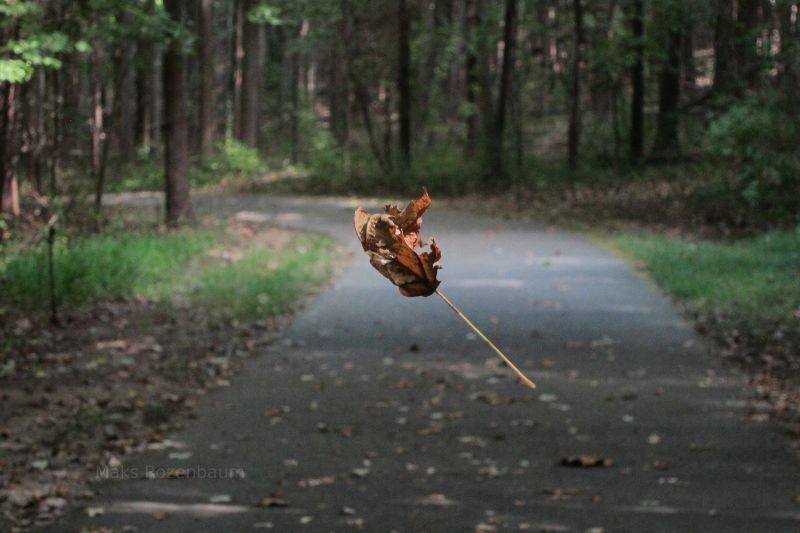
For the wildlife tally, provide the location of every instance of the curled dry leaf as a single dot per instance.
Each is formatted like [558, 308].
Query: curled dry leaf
[391, 241]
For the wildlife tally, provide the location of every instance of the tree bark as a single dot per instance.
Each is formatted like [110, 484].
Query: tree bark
[637, 81]
[9, 188]
[176, 145]
[209, 90]
[725, 72]
[509, 43]
[253, 45]
[472, 80]
[789, 55]
[746, 34]
[98, 140]
[404, 83]
[667, 144]
[574, 131]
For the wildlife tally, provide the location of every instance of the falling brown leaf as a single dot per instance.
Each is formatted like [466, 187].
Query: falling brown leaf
[390, 240]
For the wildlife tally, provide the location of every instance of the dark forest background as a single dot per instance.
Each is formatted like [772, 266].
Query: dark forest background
[357, 96]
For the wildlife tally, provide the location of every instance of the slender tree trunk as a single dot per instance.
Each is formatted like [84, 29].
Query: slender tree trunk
[144, 94]
[789, 55]
[121, 119]
[688, 68]
[98, 137]
[669, 87]
[573, 134]
[294, 88]
[745, 44]
[253, 44]
[363, 102]
[472, 81]
[509, 43]
[208, 83]
[9, 188]
[176, 144]
[237, 66]
[485, 103]
[337, 93]
[725, 71]
[404, 83]
[637, 81]
[386, 98]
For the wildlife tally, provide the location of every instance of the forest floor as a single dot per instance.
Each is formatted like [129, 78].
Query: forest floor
[119, 374]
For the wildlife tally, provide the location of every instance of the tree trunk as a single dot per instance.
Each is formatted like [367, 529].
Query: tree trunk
[9, 188]
[688, 68]
[789, 55]
[208, 83]
[509, 42]
[144, 95]
[253, 45]
[404, 83]
[337, 94]
[725, 72]
[669, 87]
[745, 44]
[573, 134]
[294, 97]
[99, 141]
[637, 81]
[472, 81]
[176, 145]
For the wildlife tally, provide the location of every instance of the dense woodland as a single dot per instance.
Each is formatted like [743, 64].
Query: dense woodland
[372, 95]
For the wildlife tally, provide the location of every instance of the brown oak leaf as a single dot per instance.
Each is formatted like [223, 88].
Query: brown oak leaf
[390, 240]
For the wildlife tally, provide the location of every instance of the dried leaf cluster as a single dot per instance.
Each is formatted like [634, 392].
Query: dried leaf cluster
[391, 241]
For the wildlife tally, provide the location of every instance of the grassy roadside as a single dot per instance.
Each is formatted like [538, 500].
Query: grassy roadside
[744, 294]
[211, 267]
[757, 279]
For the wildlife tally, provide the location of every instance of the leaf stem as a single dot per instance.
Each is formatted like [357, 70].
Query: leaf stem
[502, 356]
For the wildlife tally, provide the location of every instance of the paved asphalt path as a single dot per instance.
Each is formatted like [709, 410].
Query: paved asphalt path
[383, 413]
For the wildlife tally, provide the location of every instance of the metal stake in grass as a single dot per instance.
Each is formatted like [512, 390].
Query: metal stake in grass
[485, 339]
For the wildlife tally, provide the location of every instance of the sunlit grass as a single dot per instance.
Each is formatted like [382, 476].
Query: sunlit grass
[101, 267]
[264, 281]
[757, 278]
[267, 281]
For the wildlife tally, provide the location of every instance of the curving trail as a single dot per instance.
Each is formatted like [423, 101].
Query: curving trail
[384, 413]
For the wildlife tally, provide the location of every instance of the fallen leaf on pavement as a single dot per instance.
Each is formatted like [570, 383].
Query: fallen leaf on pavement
[586, 461]
[276, 499]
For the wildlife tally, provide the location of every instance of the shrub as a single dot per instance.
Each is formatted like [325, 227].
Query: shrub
[754, 149]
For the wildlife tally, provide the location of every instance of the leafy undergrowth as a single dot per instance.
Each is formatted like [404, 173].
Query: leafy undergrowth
[745, 294]
[171, 317]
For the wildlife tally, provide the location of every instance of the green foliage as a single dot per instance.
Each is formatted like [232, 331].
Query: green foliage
[238, 158]
[101, 267]
[756, 277]
[140, 175]
[263, 282]
[754, 147]
[267, 281]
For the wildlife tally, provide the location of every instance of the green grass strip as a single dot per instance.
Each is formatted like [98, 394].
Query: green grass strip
[757, 277]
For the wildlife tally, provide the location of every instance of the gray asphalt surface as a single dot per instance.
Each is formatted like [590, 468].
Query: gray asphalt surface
[385, 414]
